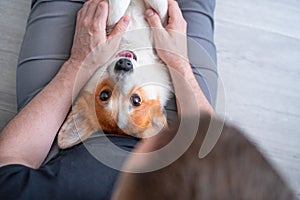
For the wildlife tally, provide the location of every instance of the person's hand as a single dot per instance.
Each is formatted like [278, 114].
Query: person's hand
[91, 44]
[170, 41]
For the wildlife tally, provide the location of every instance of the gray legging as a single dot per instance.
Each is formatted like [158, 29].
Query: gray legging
[49, 35]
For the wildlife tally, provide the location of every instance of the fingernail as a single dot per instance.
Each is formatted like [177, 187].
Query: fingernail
[126, 19]
[102, 4]
[149, 13]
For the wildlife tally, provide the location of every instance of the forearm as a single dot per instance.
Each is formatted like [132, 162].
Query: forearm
[189, 95]
[27, 138]
[171, 46]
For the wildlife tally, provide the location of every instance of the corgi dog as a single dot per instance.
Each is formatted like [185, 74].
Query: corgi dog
[127, 95]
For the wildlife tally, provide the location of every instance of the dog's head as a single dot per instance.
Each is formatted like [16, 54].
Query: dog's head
[126, 96]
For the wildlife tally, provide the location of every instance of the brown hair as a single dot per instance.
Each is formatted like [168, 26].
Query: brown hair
[234, 169]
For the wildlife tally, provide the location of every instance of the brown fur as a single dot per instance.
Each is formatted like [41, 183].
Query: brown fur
[82, 126]
[143, 115]
[147, 114]
[106, 118]
[141, 118]
[89, 114]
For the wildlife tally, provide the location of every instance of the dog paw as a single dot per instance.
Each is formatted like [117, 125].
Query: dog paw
[160, 6]
[117, 10]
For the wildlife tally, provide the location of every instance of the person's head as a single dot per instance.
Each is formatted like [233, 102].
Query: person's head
[234, 169]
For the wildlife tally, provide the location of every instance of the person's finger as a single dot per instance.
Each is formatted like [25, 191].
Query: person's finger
[176, 20]
[153, 19]
[84, 10]
[120, 27]
[174, 9]
[90, 12]
[101, 14]
[175, 13]
[100, 18]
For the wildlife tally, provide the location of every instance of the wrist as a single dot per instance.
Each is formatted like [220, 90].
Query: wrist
[180, 66]
[75, 74]
[69, 68]
[73, 63]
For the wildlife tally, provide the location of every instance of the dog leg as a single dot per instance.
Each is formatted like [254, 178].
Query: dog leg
[117, 10]
[160, 6]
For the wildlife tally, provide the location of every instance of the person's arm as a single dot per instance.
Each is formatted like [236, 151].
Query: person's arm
[171, 46]
[28, 137]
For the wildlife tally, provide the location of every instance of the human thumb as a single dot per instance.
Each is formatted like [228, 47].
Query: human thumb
[120, 27]
[153, 18]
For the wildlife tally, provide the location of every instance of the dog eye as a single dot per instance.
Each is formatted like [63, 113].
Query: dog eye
[135, 100]
[105, 95]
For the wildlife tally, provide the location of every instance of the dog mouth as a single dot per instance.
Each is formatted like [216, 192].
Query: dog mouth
[127, 54]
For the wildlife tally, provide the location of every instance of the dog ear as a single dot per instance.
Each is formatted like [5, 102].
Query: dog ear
[80, 123]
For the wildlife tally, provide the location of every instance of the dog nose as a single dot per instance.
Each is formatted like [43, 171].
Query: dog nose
[124, 65]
